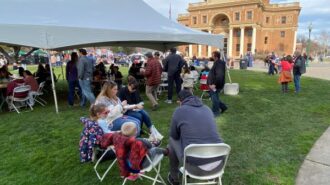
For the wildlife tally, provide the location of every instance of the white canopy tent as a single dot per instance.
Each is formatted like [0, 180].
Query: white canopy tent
[60, 25]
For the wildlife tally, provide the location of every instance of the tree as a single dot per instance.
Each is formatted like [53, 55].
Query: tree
[5, 50]
[324, 39]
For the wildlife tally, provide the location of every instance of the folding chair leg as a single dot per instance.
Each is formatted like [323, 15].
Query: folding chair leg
[107, 171]
[36, 100]
[220, 182]
[29, 105]
[124, 181]
[15, 108]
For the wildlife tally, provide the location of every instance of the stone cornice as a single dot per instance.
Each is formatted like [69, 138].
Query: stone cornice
[206, 6]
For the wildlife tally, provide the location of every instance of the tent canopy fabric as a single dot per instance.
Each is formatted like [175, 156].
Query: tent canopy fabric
[60, 25]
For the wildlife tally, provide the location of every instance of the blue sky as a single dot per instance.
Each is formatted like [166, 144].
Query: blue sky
[316, 11]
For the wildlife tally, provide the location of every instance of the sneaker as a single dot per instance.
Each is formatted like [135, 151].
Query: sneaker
[168, 101]
[132, 177]
[224, 110]
[171, 181]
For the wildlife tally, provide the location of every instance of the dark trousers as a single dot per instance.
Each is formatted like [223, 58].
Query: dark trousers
[217, 104]
[285, 87]
[72, 86]
[170, 81]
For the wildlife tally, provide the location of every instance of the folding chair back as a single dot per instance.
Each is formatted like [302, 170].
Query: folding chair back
[39, 93]
[155, 165]
[206, 151]
[21, 96]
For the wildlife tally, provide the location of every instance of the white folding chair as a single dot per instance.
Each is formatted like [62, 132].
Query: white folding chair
[101, 177]
[205, 151]
[163, 85]
[21, 97]
[155, 165]
[36, 95]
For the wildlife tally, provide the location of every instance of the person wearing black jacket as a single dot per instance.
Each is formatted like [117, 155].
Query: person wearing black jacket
[173, 66]
[216, 82]
[299, 68]
[131, 94]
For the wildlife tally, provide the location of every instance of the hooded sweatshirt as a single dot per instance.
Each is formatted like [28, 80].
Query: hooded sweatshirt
[194, 123]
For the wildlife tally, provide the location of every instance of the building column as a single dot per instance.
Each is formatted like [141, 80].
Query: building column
[209, 49]
[242, 42]
[199, 50]
[230, 43]
[294, 42]
[190, 51]
[254, 40]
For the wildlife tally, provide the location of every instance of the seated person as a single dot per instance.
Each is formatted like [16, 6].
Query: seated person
[4, 74]
[117, 76]
[131, 152]
[131, 95]
[17, 80]
[29, 80]
[108, 97]
[194, 72]
[41, 73]
[186, 129]
[187, 78]
[134, 71]
[92, 133]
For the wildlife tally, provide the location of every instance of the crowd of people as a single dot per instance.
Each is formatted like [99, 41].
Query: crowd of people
[117, 114]
[286, 67]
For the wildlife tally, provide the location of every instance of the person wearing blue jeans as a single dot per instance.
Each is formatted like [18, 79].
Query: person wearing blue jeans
[85, 75]
[135, 109]
[117, 123]
[296, 79]
[87, 93]
[299, 68]
[72, 78]
[141, 115]
[216, 82]
[217, 104]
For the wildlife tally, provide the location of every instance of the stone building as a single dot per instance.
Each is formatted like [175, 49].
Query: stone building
[247, 25]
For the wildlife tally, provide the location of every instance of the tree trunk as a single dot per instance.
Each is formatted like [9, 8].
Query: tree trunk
[10, 59]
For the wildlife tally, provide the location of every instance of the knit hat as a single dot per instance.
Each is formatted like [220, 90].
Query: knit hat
[183, 94]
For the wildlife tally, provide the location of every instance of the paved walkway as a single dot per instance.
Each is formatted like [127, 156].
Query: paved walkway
[315, 169]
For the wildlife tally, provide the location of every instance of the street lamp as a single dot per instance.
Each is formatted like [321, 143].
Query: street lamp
[310, 27]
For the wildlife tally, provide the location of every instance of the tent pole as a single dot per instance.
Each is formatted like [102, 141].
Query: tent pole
[53, 82]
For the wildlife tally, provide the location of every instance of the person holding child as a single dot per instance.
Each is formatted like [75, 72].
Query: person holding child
[115, 119]
[285, 73]
[131, 152]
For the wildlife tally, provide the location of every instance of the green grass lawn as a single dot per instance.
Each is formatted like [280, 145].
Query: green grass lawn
[270, 134]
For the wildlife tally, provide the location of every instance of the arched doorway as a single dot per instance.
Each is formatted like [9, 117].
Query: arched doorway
[220, 25]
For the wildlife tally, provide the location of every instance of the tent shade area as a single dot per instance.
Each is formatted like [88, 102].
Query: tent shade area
[115, 23]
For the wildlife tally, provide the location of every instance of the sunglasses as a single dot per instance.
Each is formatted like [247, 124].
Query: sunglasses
[105, 112]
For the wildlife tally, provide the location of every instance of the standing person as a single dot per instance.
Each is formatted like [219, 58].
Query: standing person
[153, 73]
[157, 58]
[173, 66]
[299, 68]
[285, 73]
[186, 129]
[85, 76]
[216, 82]
[72, 78]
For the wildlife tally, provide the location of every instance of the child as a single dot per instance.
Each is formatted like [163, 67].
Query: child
[188, 79]
[131, 152]
[91, 134]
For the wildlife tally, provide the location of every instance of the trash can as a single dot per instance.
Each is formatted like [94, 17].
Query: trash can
[243, 64]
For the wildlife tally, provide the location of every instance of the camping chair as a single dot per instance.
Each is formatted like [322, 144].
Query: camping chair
[20, 97]
[36, 95]
[155, 165]
[101, 177]
[205, 151]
